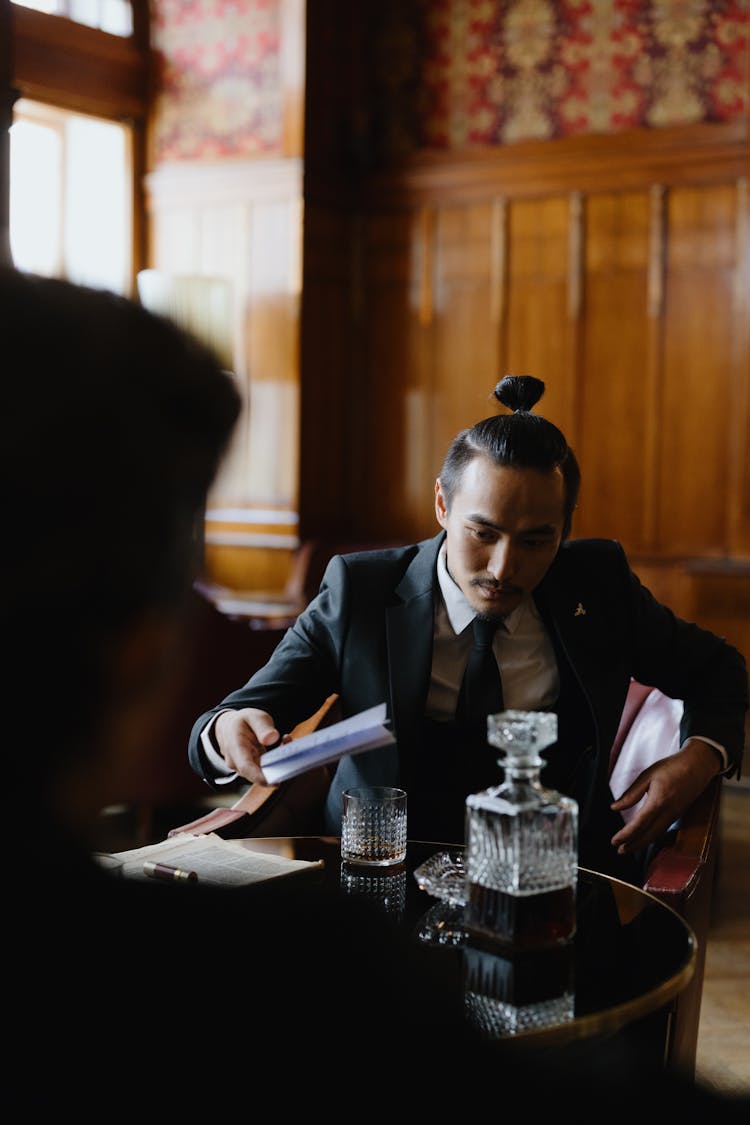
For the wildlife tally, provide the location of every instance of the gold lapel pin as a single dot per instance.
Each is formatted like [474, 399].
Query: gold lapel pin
[580, 611]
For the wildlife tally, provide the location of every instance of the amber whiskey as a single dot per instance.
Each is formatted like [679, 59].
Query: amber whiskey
[521, 843]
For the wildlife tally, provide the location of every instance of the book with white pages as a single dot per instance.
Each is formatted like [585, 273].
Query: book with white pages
[364, 731]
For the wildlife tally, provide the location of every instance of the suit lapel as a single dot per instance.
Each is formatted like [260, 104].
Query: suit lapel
[409, 629]
[562, 602]
[571, 611]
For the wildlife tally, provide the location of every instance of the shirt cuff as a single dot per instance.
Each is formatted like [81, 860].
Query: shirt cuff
[224, 775]
[720, 751]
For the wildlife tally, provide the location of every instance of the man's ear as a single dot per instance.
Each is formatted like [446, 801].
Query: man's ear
[441, 508]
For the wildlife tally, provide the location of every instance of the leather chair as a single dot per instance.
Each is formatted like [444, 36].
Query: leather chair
[681, 868]
[267, 609]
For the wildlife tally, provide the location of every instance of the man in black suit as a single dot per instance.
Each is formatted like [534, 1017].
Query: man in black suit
[575, 624]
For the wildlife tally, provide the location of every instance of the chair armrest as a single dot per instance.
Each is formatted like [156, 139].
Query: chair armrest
[676, 868]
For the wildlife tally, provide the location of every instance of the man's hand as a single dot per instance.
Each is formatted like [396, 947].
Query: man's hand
[670, 787]
[242, 737]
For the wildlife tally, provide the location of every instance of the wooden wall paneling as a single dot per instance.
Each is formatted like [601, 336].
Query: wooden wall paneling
[699, 326]
[654, 381]
[739, 468]
[220, 248]
[337, 113]
[243, 221]
[174, 239]
[540, 336]
[616, 396]
[610, 273]
[575, 322]
[330, 438]
[397, 394]
[465, 337]
[424, 455]
[193, 237]
[272, 284]
[499, 279]
[720, 599]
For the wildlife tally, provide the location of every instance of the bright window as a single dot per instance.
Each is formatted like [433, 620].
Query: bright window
[70, 198]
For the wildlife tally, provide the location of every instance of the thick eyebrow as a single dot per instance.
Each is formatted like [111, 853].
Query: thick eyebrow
[542, 529]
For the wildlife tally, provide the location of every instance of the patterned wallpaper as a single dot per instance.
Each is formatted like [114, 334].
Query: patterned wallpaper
[482, 72]
[450, 74]
[219, 82]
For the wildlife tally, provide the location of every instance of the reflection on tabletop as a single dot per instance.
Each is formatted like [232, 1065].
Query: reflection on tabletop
[384, 888]
[504, 993]
[616, 955]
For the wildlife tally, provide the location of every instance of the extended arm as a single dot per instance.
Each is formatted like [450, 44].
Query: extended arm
[301, 673]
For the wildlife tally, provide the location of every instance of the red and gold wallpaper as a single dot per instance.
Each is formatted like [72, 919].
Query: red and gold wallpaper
[219, 91]
[450, 74]
[482, 72]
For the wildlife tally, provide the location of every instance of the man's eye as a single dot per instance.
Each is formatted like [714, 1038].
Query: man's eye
[535, 544]
[482, 533]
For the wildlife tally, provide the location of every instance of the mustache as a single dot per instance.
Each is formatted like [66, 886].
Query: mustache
[493, 584]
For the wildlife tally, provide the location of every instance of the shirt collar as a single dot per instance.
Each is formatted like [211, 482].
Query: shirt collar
[459, 611]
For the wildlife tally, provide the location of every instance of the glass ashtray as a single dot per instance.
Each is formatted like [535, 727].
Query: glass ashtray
[443, 877]
[442, 925]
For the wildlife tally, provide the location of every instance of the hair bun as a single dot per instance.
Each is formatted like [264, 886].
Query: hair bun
[519, 392]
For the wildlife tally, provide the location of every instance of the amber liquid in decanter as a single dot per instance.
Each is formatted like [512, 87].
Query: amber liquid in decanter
[521, 843]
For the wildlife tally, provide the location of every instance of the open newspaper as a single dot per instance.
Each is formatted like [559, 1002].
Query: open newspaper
[208, 858]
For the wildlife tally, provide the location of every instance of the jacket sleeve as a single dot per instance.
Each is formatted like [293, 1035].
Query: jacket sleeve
[302, 671]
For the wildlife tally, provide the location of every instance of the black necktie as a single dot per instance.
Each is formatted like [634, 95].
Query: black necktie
[481, 691]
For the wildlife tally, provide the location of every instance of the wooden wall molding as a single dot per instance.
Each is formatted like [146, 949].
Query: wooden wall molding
[692, 154]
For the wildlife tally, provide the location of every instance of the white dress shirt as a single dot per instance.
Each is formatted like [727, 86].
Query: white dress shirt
[522, 648]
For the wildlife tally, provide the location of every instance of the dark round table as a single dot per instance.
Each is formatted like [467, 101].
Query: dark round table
[630, 957]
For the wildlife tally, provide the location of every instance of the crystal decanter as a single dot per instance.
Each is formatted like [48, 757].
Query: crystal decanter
[521, 843]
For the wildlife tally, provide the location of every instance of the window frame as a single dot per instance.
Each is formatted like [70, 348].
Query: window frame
[52, 59]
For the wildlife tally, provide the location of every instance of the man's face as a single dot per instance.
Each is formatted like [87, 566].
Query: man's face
[503, 531]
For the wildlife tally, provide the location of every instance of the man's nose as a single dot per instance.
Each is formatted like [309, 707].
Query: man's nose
[501, 563]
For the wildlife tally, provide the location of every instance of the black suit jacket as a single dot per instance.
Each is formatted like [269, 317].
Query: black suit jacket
[368, 636]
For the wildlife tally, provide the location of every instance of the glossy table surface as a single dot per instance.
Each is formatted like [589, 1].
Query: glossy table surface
[630, 957]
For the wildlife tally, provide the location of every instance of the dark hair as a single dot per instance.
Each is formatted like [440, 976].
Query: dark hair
[114, 425]
[521, 440]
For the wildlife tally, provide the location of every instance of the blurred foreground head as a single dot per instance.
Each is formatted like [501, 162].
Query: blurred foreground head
[114, 423]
